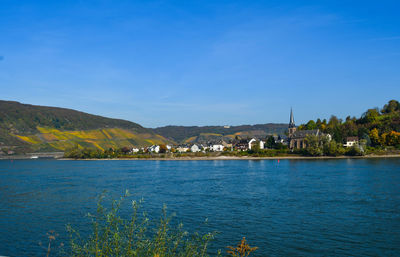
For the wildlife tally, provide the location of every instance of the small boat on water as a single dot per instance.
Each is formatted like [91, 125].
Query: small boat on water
[35, 157]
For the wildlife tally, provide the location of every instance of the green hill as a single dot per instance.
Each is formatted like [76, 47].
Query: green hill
[194, 134]
[25, 127]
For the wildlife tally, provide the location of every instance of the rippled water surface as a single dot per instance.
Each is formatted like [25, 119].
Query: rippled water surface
[287, 208]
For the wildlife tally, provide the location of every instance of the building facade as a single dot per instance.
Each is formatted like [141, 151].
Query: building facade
[297, 138]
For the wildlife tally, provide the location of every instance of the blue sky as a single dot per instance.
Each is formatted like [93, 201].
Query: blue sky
[201, 62]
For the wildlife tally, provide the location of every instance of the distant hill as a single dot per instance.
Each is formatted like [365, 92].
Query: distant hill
[31, 128]
[39, 128]
[194, 134]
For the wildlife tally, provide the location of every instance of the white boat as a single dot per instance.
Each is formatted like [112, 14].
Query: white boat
[35, 157]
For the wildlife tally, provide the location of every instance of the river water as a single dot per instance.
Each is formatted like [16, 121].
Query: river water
[346, 207]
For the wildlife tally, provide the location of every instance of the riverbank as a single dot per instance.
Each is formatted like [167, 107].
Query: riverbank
[219, 158]
[209, 158]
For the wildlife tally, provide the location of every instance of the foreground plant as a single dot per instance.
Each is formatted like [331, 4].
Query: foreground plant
[243, 249]
[113, 236]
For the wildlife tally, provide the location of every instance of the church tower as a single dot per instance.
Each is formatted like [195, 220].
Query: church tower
[292, 126]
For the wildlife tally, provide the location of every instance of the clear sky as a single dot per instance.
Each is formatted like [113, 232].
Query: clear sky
[201, 62]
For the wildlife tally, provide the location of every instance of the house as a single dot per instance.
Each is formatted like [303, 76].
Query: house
[351, 141]
[297, 138]
[195, 148]
[217, 148]
[280, 139]
[227, 145]
[241, 145]
[182, 149]
[254, 141]
[135, 150]
[154, 148]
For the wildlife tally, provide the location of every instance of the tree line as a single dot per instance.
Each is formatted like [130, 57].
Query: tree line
[376, 128]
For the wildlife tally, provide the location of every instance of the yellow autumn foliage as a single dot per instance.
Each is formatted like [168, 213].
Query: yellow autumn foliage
[29, 139]
[101, 139]
[190, 139]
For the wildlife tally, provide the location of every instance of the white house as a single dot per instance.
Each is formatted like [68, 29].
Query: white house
[217, 148]
[251, 142]
[154, 148]
[195, 148]
[135, 150]
[255, 140]
[351, 141]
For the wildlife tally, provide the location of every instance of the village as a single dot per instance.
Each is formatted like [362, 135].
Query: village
[293, 140]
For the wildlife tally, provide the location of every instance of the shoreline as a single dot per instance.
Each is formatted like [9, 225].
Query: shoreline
[235, 158]
[216, 158]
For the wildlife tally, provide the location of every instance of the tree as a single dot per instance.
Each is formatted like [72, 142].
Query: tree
[302, 127]
[354, 151]
[333, 148]
[363, 135]
[255, 147]
[311, 125]
[163, 148]
[371, 115]
[319, 123]
[392, 106]
[391, 139]
[125, 150]
[313, 145]
[374, 136]
[270, 143]
[334, 121]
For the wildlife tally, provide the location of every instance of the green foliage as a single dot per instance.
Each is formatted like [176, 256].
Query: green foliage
[314, 145]
[332, 148]
[255, 147]
[377, 127]
[354, 151]
[25, 118]
[39, 128]
[311, 125]
[370, 116]
[374, 136]
[113, 235]
[270, 142]
[390, 107]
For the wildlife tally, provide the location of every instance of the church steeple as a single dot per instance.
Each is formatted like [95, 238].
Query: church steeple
[292, 126]
[291, 123]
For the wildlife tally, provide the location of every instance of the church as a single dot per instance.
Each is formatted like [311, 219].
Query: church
[296, 138]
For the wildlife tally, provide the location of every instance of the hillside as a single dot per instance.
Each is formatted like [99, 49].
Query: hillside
[25, 127]
[379, 127]
[194, 134]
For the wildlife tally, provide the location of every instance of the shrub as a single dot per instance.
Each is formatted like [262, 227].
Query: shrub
[114, 236]
[333, 149]
[354, 151]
